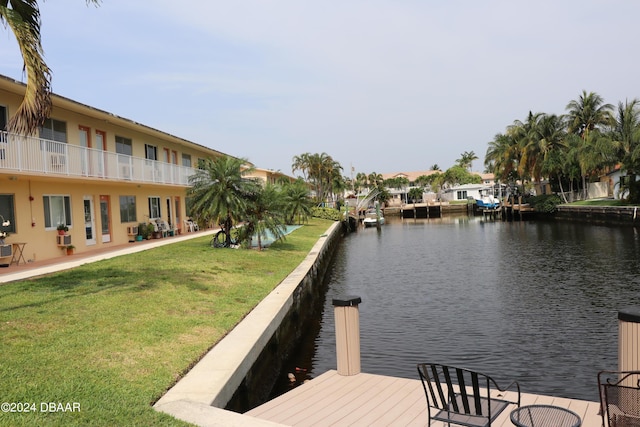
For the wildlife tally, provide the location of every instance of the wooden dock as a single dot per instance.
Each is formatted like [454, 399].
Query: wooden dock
[376, 400]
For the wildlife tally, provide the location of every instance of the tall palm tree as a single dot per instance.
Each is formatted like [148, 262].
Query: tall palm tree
[219, 191]
[626, 143]
[552, 148]
[320, 170]
[466, 159]
[587, 113]
[527, 135]
[23, 18]
[360, 182]
[375, 179]
[502, 157]
[301, 163]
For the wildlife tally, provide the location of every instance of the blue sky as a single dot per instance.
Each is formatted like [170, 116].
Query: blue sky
[384, 86]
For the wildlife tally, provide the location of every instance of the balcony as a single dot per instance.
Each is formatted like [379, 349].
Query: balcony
[41, 156]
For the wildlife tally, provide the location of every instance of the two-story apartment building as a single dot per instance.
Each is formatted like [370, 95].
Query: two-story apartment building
[96, 173]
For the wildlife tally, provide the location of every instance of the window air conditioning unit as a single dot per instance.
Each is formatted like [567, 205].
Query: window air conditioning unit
[58, 160]
[6, 251]
[132, 231]
[125, 172]
[64, 240]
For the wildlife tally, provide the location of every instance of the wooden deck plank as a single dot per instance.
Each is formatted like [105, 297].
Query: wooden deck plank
[358, 403]
[377, 400]
[394, 397]
[336, 401]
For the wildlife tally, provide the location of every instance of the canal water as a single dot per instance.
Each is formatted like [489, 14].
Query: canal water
[531, 301]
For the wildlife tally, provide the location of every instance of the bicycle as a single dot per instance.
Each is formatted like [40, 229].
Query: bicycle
[219, 240]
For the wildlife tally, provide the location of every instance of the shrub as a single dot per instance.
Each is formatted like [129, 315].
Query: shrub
[546, 203]
[327, 213]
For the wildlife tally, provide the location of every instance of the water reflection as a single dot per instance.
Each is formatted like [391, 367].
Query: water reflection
[531, 301]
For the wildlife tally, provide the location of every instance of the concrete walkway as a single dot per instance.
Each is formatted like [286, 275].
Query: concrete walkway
[40, 268]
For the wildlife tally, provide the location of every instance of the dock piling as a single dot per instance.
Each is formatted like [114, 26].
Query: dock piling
[347, 320]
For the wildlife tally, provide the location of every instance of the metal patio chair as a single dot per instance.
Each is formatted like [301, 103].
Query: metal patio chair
[619, 398]
[463, 397]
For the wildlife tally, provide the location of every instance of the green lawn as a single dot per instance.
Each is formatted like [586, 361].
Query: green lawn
[601, 202]
[111, 337]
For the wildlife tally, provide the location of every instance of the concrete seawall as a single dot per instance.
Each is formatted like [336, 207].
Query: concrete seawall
[266, 334]
[612, 215]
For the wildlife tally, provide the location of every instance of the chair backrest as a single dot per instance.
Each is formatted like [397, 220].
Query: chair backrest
[461, 396]
[619, 398]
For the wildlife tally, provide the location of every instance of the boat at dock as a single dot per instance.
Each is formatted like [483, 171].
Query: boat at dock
[373, 218]
[488, 202]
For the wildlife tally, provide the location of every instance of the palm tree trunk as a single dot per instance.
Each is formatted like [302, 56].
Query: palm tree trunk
[564, 196]
[227, 230]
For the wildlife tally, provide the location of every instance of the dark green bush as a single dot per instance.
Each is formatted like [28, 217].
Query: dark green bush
[546, 203]
[327, 213]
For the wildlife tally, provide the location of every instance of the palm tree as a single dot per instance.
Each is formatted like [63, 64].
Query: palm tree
[320, 170]
[527, 135]
[263, 215]
[434, 167]
[552, 148]
[415, 193]
[375, 180]
[626, 142]
[296, 201]
[220, 192]
[502, 157]
[301, 163]
[466, 159]
[423, 180]
[23, 18]
[360, 181]
[587, 113]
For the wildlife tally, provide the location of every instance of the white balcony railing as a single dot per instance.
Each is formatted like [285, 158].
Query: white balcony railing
[29, 154]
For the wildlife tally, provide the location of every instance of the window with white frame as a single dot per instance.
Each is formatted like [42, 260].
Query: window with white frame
[57, 210]
[128, 209]
[186, 160]
[154, 207]
[462, 195]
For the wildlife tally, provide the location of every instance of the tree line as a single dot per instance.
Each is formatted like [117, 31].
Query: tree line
[324, 176]
[572, 149]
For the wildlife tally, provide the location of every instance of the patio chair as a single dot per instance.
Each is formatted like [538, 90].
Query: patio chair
[463, 397]
[619, 398]
[191, 225]
[163, 227]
